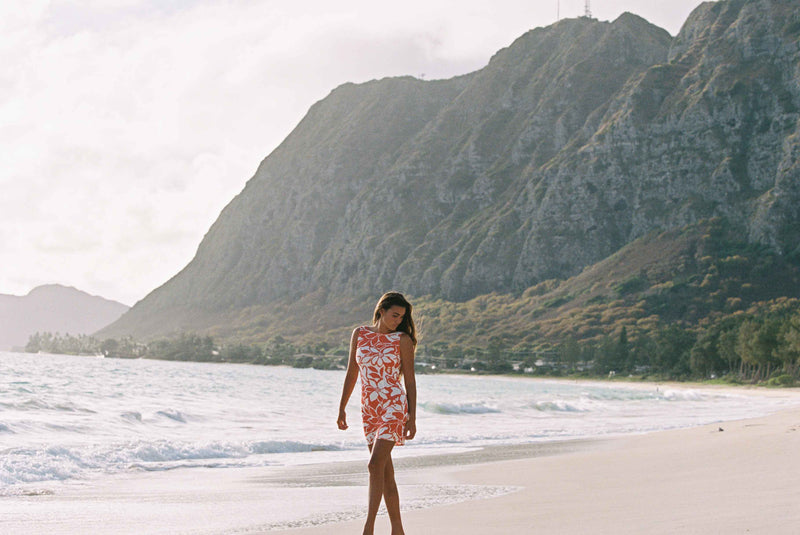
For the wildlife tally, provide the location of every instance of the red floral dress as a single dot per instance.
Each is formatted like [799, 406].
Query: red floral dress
[384, 409]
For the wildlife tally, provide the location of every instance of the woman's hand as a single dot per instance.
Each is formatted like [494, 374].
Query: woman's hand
[407, 369]
[350, 378]
[410, 429]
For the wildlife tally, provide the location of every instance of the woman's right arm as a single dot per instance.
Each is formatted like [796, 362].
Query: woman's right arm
[350, 379]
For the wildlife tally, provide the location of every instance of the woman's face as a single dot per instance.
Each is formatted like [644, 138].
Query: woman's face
[392, 317]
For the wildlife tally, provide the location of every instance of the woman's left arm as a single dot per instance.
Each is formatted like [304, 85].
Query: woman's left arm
[407, 367]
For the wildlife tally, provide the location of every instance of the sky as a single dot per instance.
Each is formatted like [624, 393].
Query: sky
[126, 126]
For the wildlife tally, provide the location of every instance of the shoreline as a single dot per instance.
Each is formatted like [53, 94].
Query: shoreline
[333, 473]
[600, 379]
[732, 477]
[243, 500]
[634, 381]
[542, 487]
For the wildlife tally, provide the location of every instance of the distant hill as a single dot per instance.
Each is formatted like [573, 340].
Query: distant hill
[53, 308]
[575, 142]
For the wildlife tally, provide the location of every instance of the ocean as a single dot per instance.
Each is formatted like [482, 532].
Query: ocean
[68, 424]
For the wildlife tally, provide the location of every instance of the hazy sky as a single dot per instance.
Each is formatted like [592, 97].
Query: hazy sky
[127, 125]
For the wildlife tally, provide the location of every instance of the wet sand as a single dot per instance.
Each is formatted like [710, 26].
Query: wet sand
[729, 478]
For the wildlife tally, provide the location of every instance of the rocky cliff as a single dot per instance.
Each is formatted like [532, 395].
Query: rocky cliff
[572, 142]
[711, 132]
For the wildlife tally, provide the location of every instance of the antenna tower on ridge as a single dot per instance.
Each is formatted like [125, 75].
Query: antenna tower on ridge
[587, 12]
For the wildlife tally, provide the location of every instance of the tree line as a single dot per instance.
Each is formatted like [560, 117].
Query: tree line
[760, 346]
[189, 347]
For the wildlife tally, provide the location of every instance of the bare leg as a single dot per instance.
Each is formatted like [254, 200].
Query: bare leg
[392, 499]
[378, 461]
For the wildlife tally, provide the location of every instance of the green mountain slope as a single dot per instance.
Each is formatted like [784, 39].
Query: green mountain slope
[685, 277]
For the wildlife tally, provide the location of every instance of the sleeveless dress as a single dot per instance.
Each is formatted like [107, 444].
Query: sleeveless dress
[384, 409]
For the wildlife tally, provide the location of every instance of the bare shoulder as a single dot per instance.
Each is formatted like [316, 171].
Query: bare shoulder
[354, 336]
[406, 342]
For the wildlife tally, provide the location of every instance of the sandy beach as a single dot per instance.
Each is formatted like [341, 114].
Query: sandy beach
[729, 478]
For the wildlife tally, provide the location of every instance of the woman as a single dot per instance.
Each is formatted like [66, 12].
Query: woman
[379, 355]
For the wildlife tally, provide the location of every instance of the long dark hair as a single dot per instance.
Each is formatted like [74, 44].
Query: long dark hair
[387, 301]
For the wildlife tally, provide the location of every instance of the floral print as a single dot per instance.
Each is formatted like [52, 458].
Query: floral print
[384, 408]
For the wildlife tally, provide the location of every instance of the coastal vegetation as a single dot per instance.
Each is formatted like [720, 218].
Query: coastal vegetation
[758, 345]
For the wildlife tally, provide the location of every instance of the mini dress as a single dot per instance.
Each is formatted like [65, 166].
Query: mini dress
[384, 408]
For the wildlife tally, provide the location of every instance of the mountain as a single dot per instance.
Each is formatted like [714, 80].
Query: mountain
[53, 308]
[574, 142]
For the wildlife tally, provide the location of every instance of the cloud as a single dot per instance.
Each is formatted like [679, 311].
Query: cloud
[127, 125]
